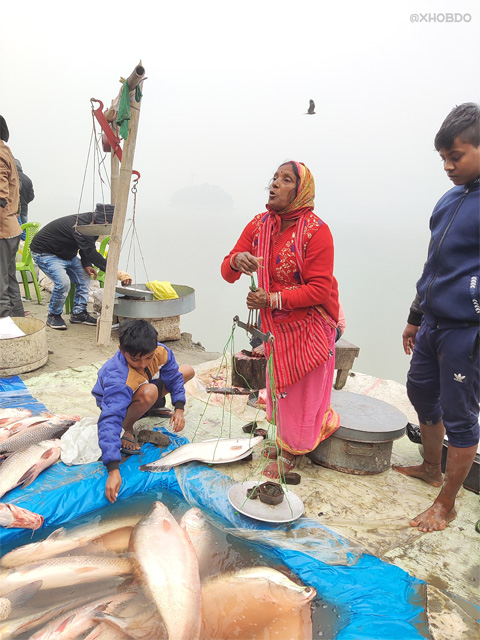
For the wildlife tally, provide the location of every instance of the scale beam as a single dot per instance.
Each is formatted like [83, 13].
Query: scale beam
[250, 328]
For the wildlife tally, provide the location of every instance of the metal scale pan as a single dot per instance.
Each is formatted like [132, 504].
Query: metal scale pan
[130, 307]
[94, 229]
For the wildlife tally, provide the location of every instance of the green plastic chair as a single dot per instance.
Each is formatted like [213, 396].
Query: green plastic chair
[26, 263]
[100, 277]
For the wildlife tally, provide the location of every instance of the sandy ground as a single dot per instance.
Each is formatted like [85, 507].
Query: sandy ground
[77, 346]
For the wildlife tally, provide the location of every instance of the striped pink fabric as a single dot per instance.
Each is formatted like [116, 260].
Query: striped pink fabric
[299, 346]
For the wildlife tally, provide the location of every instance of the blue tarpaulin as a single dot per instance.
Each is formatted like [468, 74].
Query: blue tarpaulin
[376, 599]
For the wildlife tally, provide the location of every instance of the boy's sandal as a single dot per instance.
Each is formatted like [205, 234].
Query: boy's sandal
[130, 452]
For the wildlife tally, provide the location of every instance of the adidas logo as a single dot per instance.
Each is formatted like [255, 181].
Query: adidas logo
[458, 377]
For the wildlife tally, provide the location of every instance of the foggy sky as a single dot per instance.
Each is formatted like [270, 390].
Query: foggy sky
[224, 101]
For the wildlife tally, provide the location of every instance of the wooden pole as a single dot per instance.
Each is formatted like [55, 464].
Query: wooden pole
[114, 177]
[104, 327]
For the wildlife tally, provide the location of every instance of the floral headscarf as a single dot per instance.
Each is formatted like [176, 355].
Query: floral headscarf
[305, 195]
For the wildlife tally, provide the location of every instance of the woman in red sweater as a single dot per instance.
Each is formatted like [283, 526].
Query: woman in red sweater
[292, 250]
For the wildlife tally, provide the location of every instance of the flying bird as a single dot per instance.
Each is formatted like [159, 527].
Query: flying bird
[311, 109]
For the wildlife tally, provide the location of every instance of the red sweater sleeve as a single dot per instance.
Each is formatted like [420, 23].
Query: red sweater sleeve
[317, 274]
[244, 243]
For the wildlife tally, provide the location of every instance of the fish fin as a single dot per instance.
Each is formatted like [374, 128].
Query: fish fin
[22, 595]
[56, 535]
[155, 469]
[28, 477]
[64, 624]
[115, 621]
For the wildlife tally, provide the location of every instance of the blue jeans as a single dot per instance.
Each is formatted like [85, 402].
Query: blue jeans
[61, 273]
[23, 220]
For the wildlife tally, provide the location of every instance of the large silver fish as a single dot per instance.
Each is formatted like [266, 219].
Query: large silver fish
[140, 620]
[165, 564]
[64, 571]
[216, 451]
[210, 551]
[55, 427]
[74, 623]
[20, 425]
[14, 627]
[23, 467]
[7, 416]
[62, 541]
[14, 517]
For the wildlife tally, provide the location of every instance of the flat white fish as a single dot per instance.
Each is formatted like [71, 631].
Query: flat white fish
[53, 428]
[64, 571]
[165, 564]
[240, 603]
[62, 541]
[216, 451]
[18, 598]
[14, 517]
[24, 466]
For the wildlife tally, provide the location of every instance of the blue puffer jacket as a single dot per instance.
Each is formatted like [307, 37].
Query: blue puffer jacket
[113, 391]
[449, 288]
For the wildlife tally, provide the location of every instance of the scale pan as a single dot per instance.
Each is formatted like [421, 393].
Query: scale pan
[94, 229]
[289, 509]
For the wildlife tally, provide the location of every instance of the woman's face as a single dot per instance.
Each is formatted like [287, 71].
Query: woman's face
[283, 187]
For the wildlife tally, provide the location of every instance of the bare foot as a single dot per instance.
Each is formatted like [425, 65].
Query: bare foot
[435, 518]
[279, 467]
[429, 473]
[129, 442]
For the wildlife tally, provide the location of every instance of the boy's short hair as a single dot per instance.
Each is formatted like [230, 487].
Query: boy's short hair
[137, 337]
[462, 122]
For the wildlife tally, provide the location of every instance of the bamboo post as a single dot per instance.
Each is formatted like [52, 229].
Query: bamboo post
[114, 177]
[104, 327]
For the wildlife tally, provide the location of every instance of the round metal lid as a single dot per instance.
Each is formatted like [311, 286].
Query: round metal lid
[367, 419]
[157, 308]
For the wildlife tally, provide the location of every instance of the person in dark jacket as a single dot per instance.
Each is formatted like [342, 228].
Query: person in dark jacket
[132, 384]
[443, 328]
[10, 299]
[54, 250]
[27, 194]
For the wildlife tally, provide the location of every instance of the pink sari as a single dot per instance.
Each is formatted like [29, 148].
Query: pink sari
[303, 414]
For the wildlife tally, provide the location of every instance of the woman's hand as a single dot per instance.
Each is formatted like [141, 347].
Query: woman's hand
[113, 485]
[177, 421]
[257, 299]
[246, 263]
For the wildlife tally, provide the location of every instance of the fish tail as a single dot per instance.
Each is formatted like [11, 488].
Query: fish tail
[154, 468]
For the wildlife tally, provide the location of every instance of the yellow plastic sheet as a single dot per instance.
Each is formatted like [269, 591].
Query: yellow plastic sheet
[162, 290]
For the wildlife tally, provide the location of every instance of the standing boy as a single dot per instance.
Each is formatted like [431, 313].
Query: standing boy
[444, 323]
[132, 384]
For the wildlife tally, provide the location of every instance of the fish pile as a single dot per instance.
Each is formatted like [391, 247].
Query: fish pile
[167, 588]
[28, 445]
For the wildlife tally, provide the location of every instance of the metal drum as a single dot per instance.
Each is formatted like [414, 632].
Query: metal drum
[25, 353]
[362, 445]
[129, 307]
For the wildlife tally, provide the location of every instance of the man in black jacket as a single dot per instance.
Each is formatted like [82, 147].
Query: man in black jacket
[54, 250]
[27, 194]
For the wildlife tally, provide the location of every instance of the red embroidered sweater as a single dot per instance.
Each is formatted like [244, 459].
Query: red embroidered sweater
[319, 284]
